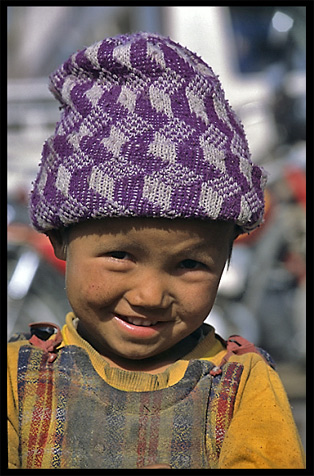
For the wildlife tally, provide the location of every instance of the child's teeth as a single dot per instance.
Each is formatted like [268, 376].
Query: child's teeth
[136, 322]
[141, 322]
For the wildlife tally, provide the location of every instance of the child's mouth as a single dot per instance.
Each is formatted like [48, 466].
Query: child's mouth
[138, 327]
[137, 321]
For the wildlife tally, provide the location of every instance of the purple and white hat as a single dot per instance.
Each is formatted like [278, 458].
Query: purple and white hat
[145, 131]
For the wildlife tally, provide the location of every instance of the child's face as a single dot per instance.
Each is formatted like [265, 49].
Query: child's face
[139, 286]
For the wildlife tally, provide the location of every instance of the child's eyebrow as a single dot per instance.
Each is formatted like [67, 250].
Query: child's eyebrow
[121, 244]
[201, 250]
[197, 247]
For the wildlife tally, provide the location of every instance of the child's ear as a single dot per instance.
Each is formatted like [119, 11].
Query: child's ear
[57, 240]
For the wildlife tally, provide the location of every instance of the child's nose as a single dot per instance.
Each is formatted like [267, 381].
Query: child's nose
[149, 290]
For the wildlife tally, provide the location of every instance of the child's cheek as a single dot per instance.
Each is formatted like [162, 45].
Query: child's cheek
[84, 287]
[94, 294]
[203, 298]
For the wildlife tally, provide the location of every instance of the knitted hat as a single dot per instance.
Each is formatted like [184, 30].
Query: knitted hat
[145, 131]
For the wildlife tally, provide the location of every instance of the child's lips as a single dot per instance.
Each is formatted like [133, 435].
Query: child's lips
[138, 327]
[137, 321]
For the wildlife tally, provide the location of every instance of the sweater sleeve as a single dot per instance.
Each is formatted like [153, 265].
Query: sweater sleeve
[12, 406]
[262, 433]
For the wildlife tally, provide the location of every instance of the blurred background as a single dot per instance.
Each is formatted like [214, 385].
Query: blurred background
[259, 54]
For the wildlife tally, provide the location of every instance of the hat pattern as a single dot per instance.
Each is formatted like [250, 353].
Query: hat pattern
[145, 131]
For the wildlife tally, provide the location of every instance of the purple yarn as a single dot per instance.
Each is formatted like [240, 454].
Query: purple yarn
[145, 131]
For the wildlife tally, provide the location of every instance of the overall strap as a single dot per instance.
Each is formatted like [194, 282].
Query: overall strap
[224, 388]
[226, 379]
[237, 345]
[44, 335]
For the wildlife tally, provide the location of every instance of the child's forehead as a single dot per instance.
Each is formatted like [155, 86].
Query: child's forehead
[148, 228]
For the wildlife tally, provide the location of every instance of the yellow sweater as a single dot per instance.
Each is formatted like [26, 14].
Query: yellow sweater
[262, 433]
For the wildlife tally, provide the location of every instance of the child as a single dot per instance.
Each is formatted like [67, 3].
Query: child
[142, 190]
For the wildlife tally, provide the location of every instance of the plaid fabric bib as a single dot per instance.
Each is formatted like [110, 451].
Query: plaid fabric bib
[71, 418]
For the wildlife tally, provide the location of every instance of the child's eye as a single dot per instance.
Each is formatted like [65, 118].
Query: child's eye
[191, 264]
[121, 255]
